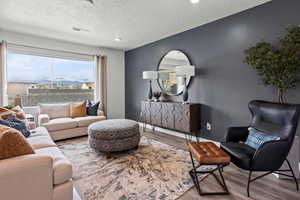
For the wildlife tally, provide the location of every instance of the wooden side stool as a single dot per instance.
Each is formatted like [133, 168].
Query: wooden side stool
[207, 153]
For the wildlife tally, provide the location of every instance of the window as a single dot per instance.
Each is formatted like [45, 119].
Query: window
[41, 79]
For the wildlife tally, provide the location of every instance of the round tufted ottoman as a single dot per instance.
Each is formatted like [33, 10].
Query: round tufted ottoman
[114, 135]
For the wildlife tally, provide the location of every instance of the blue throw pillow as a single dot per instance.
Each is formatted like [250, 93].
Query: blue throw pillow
[15, 123]
[257, 138]
[92, 109]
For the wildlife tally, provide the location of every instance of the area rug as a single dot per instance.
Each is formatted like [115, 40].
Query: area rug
[154, 171]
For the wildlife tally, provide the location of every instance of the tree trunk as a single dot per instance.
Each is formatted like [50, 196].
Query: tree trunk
[280, 95]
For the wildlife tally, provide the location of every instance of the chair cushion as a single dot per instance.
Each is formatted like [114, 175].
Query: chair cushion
[62, 168]
[256, 138]
[13, 143]
[39, 142]
[78, 110]
[60, 124]
[55, 110]
[86, 121]
[240, 153]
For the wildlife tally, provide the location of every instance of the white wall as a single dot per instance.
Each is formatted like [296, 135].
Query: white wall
[116, 64]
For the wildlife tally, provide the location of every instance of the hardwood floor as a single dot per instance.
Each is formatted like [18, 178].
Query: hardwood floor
[267, 188]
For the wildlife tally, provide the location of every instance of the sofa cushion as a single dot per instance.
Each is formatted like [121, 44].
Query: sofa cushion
[39, 131]
[13, 143]
[78, 110]
[60, 124]
[38, 142]
[55, 110]
[86, 121]
[62, 168]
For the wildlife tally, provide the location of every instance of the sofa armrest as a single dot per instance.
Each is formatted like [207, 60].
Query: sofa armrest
[43, 118]
[26, 177]
[100, 112]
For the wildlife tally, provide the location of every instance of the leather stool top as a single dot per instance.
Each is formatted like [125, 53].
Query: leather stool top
[208, 153]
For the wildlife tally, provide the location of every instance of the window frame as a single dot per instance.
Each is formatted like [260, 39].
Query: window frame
[58, 54]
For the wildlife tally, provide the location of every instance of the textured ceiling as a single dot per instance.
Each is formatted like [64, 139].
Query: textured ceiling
[137, 22]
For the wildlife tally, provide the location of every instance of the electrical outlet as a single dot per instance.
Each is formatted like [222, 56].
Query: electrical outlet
[208, 126]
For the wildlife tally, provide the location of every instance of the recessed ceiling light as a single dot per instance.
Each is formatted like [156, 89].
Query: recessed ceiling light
[90, 1]
[79, 29]
[194, 1]
[118, 39]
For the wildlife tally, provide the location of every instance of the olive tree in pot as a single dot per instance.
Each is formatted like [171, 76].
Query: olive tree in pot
[278, 66]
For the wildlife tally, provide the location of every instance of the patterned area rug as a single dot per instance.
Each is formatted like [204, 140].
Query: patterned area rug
[154, 171]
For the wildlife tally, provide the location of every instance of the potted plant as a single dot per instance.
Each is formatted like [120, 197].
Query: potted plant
[278, 66]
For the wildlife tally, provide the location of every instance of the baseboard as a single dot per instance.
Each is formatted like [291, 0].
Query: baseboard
[176, 133]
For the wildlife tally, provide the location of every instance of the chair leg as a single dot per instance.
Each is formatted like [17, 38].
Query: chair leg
[248, 184]
[297, 186]
[194, 175]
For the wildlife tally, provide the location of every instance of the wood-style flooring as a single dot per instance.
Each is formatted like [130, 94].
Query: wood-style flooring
[267, 188]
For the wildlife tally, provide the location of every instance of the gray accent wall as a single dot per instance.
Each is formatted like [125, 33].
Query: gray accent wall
[224, 84]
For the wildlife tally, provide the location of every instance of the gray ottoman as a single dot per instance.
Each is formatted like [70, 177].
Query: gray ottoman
[114, 135]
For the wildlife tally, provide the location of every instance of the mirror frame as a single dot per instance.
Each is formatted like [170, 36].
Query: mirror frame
[164, 55]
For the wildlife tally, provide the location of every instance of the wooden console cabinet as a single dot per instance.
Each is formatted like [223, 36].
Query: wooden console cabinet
[171, 115]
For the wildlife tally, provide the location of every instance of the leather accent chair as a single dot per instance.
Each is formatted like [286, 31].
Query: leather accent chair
[273, 119]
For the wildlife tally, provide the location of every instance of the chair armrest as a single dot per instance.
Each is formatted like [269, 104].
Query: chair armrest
[270, 155]
[43, 118]
[26, 177]
[237, 134]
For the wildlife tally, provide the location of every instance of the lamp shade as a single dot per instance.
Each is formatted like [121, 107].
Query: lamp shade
[181, 80]
[164, 75]
[185, 70]
[150, 75]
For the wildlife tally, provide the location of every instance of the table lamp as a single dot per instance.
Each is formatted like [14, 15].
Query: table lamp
[185, 72]
[150, 75]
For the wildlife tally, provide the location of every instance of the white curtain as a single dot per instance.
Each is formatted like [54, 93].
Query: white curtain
[101, 81]
[3, 82]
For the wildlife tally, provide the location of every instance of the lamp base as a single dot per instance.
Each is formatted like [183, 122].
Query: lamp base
[185, 95]
[150, 94]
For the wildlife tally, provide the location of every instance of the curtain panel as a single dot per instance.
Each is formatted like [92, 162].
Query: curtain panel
[3, 82]
[101, 83]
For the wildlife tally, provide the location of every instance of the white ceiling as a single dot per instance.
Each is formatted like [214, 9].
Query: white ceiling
[137, 22]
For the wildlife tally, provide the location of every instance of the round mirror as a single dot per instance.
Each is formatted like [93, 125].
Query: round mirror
[168, 81]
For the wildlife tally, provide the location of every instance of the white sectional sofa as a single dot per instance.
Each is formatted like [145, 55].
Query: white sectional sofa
[56, 119]
[45, 175]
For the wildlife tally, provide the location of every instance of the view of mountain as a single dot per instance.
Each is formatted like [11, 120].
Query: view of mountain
[38, 69]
